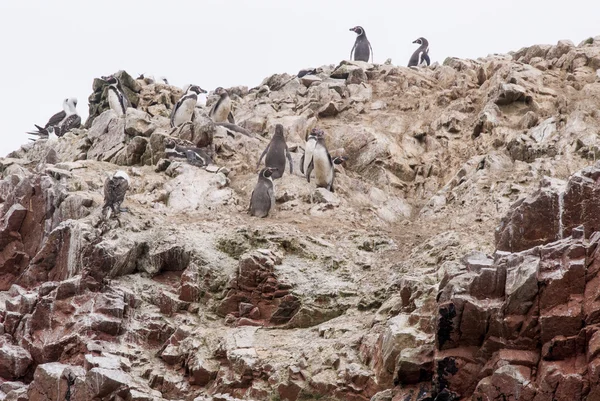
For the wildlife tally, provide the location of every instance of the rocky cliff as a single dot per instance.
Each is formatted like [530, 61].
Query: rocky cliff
[457, 259]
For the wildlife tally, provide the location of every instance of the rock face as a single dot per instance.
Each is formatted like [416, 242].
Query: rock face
[457, 259]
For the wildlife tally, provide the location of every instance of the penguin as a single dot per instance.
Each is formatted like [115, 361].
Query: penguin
[421, 55]
[263, 195]
[195, 156]
[115, 188]
[309, 147]
[221, 110]
[362, 47]
[277, 152]
[62, 122]
[323, 165]
[117, 100]
[184, 109]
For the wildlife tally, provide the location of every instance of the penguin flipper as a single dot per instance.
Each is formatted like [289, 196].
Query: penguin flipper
[172, 117]
[426, 58]
[230, 118]
[289, 157]
[263, 155]
[302, 164]
[309, 170]
[371, 51]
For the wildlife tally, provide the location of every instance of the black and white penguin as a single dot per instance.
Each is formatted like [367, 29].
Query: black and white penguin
[62, 122]
[184, 109]
[362, 47]
[263, 195]
[309, 147]
[322, 164]
[221, 110]
[277, 151]
[195, 156]
[115, 188]
[117, 100]
[421, 55]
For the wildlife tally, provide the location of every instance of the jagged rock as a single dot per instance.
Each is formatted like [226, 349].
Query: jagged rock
[184, 296]
[14, 360]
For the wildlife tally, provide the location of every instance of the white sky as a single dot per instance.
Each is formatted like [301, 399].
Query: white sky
[52, 49]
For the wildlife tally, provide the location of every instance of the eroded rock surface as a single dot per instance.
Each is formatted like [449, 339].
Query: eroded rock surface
[457, 259]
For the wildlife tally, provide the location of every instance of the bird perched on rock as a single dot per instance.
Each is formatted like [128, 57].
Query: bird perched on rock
[221, 110]
[322, 163]
[61, 122]
[362, 47]
[421, 55]
[263, 195]
[194, 156]
[117, 100]
[277, 151]
[309, 147]
[115, 188]
[184, 109]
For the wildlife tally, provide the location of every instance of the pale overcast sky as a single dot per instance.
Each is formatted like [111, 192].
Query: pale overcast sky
[52, 49]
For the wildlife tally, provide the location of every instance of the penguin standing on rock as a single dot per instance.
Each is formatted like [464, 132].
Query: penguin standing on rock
[362, 47]
[322, 164]
[263, 196]
[117, 100]
[183, 111]
[221, 110]
[115, 188]
[309, 147]
[277, 152]
[421, 55]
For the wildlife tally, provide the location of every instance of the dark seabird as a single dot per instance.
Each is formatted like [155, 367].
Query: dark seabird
[362, 47]
[115, 188]
[421, 54]
[62, 122]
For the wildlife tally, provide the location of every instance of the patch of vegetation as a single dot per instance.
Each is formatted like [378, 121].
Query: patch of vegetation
[589, 41]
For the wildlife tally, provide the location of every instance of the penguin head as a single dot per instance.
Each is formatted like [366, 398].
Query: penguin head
[221, 91]
[196, 89]
[278, 130]
[339, 159]
[359, 30]
[72, 102]
[111, 80]
[267, 172]
[170, 143]
[421, 41]
[319, 133]
[122, 175]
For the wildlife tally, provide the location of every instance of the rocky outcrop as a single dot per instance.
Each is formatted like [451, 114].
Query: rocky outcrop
[456, 259]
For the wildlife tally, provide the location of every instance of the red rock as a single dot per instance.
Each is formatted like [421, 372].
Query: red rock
[508, 382]
[563, 320]
[289, 391]
[14, 360]
[190, 287]
[48, 382]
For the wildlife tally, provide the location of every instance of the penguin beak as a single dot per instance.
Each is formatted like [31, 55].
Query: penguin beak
[352, 29]
[416, 41]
